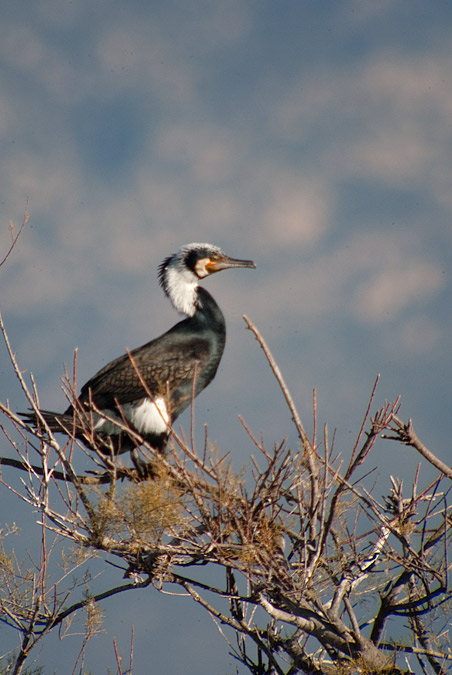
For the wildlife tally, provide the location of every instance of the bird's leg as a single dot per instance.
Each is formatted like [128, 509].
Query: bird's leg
[144, 469]
[107, 453]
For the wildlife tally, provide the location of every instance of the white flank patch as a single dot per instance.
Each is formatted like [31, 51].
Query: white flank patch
[151, 417]
[99, 424]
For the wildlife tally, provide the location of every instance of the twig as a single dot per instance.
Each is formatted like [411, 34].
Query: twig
[366, 415]
[309, 450]
[277, 372]
[406, 434]
[15, 239]
[101, 479]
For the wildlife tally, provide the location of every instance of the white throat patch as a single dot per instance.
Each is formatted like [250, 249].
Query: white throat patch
[181, 287]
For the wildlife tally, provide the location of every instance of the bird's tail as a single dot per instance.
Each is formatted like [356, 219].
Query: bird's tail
[56, 422]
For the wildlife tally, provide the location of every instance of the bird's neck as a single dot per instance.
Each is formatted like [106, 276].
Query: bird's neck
[207, 322]
[193, 300]
[207, 313]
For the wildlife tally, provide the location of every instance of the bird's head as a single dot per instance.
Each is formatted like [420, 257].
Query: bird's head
[180, 273]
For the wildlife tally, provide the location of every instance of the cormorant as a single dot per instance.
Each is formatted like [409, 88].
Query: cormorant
[148, 389]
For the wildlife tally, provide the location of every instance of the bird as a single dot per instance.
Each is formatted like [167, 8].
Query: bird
[146, 389]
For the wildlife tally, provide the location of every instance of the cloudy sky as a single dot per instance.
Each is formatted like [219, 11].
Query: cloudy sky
[314, 138]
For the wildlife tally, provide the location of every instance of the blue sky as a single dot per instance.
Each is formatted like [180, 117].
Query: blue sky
[314, 138]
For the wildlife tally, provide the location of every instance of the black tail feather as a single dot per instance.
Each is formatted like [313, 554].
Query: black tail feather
[58, 422]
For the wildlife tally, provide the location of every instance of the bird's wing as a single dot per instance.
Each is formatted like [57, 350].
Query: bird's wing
[162, 363]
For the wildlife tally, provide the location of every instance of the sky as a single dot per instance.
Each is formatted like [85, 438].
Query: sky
[314, 138]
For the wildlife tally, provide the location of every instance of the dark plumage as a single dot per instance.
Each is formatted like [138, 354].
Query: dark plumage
[150, 401]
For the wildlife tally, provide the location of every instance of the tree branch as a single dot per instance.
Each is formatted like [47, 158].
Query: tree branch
[405, 434]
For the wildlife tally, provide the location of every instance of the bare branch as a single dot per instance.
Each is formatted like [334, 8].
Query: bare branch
[405, 434]
[15, 237]
[314, 562]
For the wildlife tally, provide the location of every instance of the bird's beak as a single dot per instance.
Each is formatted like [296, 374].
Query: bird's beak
[226, 263]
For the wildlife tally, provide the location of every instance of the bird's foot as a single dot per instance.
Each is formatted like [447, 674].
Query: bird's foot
[144, 470]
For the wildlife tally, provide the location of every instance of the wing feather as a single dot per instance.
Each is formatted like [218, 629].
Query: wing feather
[161, 363]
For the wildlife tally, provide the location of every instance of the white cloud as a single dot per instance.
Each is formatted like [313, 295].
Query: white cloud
[387, 118]
[119, 49]
[51, 183]
[22, 47]
[390, 154]
[200, 177]
[132, 56]
[25, 49]
[417, 335]
[391, 290]
[210, 153]
[296, 210]
[371, 277]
